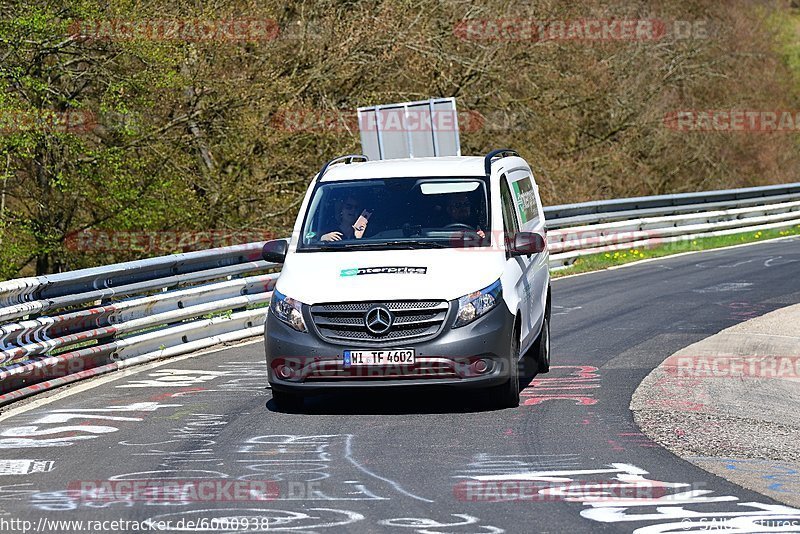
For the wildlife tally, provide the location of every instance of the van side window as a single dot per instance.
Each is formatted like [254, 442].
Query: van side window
[526, 200]
[510, 226]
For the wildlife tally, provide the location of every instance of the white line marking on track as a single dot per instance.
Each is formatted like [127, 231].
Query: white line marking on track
[349, 455]
[664, 258]
[115, 375]
[25, 467]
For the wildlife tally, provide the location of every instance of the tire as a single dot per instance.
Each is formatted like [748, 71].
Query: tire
[285, 400]
[506, 395]
[541, 348]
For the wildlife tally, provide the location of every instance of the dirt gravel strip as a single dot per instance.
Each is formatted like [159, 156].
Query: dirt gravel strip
[730, 404]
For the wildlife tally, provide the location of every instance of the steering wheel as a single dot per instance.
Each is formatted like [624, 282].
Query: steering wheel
[460, 225]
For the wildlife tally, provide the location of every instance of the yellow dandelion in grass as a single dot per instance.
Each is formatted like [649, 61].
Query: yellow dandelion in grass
[608, 255]
[694, 242]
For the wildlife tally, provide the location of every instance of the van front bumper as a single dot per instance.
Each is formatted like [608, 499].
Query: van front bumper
[448, 360]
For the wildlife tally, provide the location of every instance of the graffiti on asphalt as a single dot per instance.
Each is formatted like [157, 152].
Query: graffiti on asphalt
[572, 383]
[623, 493]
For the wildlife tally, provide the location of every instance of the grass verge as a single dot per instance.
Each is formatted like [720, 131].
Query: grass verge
[604, 260]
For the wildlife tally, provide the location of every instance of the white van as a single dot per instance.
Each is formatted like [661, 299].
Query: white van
[412, 273]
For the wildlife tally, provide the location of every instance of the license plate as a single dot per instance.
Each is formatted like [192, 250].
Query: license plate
[358, 358]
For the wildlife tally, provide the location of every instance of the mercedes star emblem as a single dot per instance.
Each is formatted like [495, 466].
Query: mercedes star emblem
[378, 320]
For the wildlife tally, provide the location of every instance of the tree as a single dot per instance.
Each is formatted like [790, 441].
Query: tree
[70, 162]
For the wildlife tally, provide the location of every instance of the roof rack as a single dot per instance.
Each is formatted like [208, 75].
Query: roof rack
[500, 152]
[348, 159]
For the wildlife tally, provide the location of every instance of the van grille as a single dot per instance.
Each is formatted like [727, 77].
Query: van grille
[413, 319]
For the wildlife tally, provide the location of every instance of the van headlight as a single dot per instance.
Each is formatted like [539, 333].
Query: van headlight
[472, 306]
[288, 310]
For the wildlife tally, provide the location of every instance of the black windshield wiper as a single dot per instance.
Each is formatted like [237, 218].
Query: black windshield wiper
[396, 244]
[315, 248]
[407, 243]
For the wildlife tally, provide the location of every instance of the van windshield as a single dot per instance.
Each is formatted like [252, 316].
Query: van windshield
[397, 213]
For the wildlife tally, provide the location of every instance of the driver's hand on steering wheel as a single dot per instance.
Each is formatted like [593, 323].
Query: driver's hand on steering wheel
[332, 236]
[465, 226]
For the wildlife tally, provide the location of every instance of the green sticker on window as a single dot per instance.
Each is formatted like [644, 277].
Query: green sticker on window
[526, 200]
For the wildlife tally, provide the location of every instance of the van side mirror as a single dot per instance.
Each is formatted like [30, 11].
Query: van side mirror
[275, 251]
[527, 243]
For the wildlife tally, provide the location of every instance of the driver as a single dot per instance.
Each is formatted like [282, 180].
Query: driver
[347, 216]
[459, 210]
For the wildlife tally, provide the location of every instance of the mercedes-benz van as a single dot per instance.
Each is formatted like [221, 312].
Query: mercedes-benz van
[412, 273]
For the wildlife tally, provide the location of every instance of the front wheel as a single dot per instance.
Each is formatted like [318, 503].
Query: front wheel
[541, 348]
[506, 395]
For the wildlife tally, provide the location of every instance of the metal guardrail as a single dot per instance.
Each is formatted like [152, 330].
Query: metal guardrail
[139, 310]
[597, 211]
[586, 229]
[56, 329]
